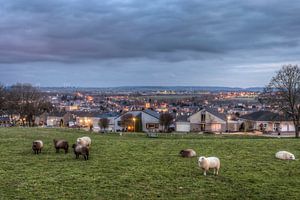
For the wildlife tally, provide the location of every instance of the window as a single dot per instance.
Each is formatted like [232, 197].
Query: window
[203, 117]
[152, 126]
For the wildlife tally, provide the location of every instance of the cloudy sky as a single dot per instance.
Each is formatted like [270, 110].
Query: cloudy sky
[141, 42]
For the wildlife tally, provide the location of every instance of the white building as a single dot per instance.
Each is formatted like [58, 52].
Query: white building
[142, 120]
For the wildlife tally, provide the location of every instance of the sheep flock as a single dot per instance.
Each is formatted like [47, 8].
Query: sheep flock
[82, 147]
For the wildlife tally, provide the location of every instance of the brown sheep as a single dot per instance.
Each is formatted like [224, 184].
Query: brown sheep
[37, 146]
[81, 150]
[61, 144]
[187, 153]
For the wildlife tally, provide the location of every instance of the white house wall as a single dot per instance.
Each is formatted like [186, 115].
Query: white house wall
[146, 118]
[183, 126]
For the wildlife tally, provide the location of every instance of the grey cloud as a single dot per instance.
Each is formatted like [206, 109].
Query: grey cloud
[170, 37]
[77, 30]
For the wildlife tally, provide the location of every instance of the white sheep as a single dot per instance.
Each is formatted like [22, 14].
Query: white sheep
[85, 141]
[209, 163]
[284, 155]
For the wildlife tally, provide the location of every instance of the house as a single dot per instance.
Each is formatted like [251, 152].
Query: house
[111, 121]
[4, 121]
[86, 119]
[138, 121]
[182, 124]
[59, 119]
[210, 120]
[41, 119]
[267, 121]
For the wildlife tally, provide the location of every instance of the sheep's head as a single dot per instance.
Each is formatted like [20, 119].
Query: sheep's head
[79, 140]
[201, 159]
[292, 157]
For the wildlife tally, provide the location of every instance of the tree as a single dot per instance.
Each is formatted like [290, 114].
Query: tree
[283, 92]
[2, 98]
[103, 123]
[165, 120]
[27, 101]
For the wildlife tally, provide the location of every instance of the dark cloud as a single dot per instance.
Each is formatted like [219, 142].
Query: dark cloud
[174, 34]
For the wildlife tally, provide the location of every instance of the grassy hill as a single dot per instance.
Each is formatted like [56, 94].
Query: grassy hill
[133, 166]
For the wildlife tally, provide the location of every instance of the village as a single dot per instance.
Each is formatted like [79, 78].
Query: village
[130, 111]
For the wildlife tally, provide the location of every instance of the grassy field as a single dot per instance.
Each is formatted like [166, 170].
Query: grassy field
[136, 167]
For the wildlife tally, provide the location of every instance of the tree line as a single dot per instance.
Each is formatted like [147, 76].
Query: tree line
[23, 100]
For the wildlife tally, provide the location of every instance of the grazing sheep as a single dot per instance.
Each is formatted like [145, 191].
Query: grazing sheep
[81, 150]
[187, 153]
[209, 163]
[37, 146]
[85, 141]
[61, 144]
[284, 155]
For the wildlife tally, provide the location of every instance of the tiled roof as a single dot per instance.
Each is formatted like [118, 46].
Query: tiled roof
[266, 116]
[216, 113]
[182, 118]
[152, 113]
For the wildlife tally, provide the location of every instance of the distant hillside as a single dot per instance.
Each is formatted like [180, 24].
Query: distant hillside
[153, 88]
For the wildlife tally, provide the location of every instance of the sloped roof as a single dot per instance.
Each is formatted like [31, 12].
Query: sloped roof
[4, 119]
[216, 113]
[152, 113]
[110, 114]
[265, 116]
[182, 118]
[57, 114]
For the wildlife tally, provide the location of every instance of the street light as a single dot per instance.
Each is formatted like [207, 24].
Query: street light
[134, 119]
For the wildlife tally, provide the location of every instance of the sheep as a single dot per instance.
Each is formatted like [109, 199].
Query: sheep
[284, 155]
[61, 144]
[86, 141]
[37, 146]
[187, 153]
[209, 163]
[81, 150]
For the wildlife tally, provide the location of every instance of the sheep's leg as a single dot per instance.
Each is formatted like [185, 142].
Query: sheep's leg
[214, 171]
[204, 173]
[57, 150]
[217, 172]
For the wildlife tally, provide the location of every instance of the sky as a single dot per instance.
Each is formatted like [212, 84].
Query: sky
[109, 43]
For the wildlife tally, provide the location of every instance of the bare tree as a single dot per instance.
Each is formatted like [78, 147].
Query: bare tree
[2, 98]
[103, 123]
[165, 120]
[283, 93]
[27, 101]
